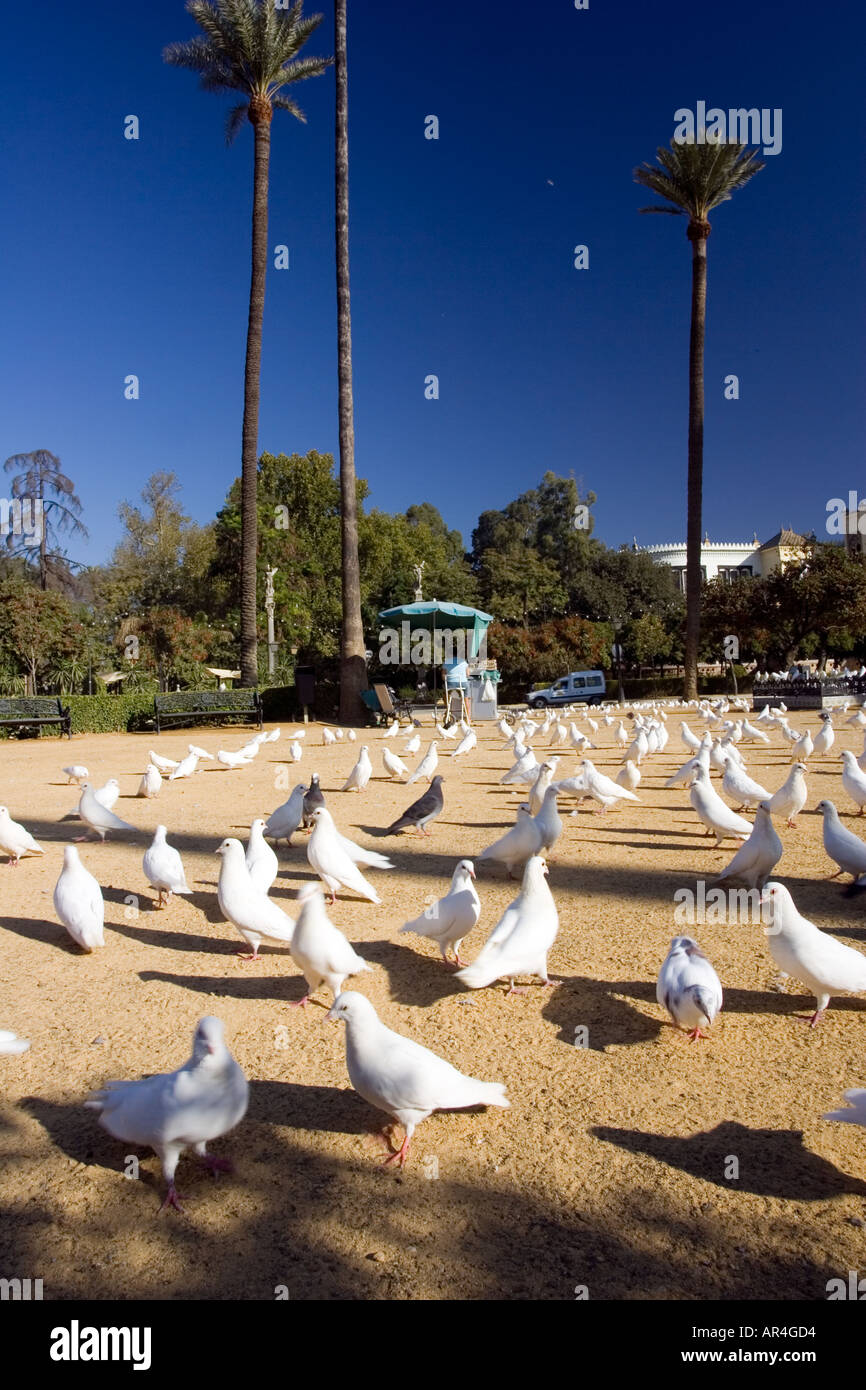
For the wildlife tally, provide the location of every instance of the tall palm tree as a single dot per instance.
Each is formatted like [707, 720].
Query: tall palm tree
[249, 46]
[353, 671]
[695, 177]
[35, 476]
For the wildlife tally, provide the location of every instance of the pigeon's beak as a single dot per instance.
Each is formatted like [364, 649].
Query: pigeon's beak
[330, 1016]
[471, 873]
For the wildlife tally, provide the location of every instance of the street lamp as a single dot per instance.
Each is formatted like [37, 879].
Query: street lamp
[617, 656]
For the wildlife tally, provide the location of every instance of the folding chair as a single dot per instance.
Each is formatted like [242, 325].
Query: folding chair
[391, 704]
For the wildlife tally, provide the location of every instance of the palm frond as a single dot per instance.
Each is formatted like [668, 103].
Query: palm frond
[281, 103]
[696, 176]
[235, 119]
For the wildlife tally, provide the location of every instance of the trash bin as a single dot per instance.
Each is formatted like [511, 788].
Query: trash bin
[305, 686]
[482, 685]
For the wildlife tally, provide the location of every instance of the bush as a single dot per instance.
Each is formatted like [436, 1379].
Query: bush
[108, 714]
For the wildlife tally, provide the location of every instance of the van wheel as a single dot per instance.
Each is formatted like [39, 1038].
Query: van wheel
[538, 704]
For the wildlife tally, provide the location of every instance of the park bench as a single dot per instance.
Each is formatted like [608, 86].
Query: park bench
[193, 706]
[32, 711]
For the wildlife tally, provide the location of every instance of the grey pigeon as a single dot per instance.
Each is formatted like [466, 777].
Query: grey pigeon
[422, 811]
[313, 799]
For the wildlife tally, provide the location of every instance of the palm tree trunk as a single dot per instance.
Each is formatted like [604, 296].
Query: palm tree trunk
[353, 670]
[260, 117]
[697, 234]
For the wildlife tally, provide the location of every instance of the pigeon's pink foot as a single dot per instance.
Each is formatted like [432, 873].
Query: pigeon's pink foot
[548, 984]
[13, 863]
[173, 1198]
[79, 839]
[399, 1156]
[460, 963]
[695, 1034]
[816, 1018]
[216, 1165]
[241, 956]
[515, 989]
[299, 1003]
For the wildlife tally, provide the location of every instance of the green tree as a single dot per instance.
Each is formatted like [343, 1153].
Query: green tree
[251, 47]
[39, 630]
[694, 178]
[37, 476]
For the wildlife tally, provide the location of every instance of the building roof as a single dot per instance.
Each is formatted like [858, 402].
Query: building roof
[785, 536]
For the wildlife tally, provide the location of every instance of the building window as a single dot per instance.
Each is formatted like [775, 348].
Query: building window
[729, 574]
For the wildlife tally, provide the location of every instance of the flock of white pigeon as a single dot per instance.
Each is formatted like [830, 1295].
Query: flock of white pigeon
[208, 1095]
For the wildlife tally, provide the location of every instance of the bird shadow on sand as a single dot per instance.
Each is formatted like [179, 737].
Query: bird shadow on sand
[78, 1134]
[172, 939]
[249, 983]
[772, 1162]
[414, 978]
[298, 1106]
[48, 933]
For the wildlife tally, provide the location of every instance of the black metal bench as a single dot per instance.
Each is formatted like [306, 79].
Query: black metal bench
[32, 711]
[193, 706]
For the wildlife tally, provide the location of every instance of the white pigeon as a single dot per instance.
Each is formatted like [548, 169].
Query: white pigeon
[825, 737]
[107, 796]
[853, 1114]
[274, 735]
[282, 823]
[688, 987]
[393, 729]
[466, 744]
[361, 772]
[523, 771]
[394, 766]
[858, 719]
[338, 734]
[516, 846]
[621, 735]
[842, 846]
[401, 1077]
[151, 781]
[548, 820]
[451, 918]
[11, 1044]
[97, 816]
[232, 760]
[800, 949]
[629, 776]
[209, 757]
[603, 789]
[296, 751]
[755, 860]
[255, 915]
[332, 862]
[15, 840]
[296, 733]
[853, 780]
[543, 779]
[319, 948]
[751, 734]
[427, 766]
[78, 902]
[168, 1113]
[328, 737]
[186, 768]
[741, 788]
[790, 799]
[352, 736]
[262, 864]
[718, 817]
[76, 773]
[520, 941]
[413, 745]
[688, 739]
[163, 868]
[164, 764]
[441, 732]
[802, 748]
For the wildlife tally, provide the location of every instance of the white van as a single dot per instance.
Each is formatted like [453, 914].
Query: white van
[586, 686]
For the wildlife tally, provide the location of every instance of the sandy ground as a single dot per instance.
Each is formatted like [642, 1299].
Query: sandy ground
[609, 1170]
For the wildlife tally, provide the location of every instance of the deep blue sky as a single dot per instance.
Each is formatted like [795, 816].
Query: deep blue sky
[123, 256]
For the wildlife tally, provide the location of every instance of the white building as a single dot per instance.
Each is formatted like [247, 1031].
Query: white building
[733, 560]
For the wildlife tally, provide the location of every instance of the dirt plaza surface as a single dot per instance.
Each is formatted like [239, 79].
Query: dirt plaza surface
[611, 1170]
